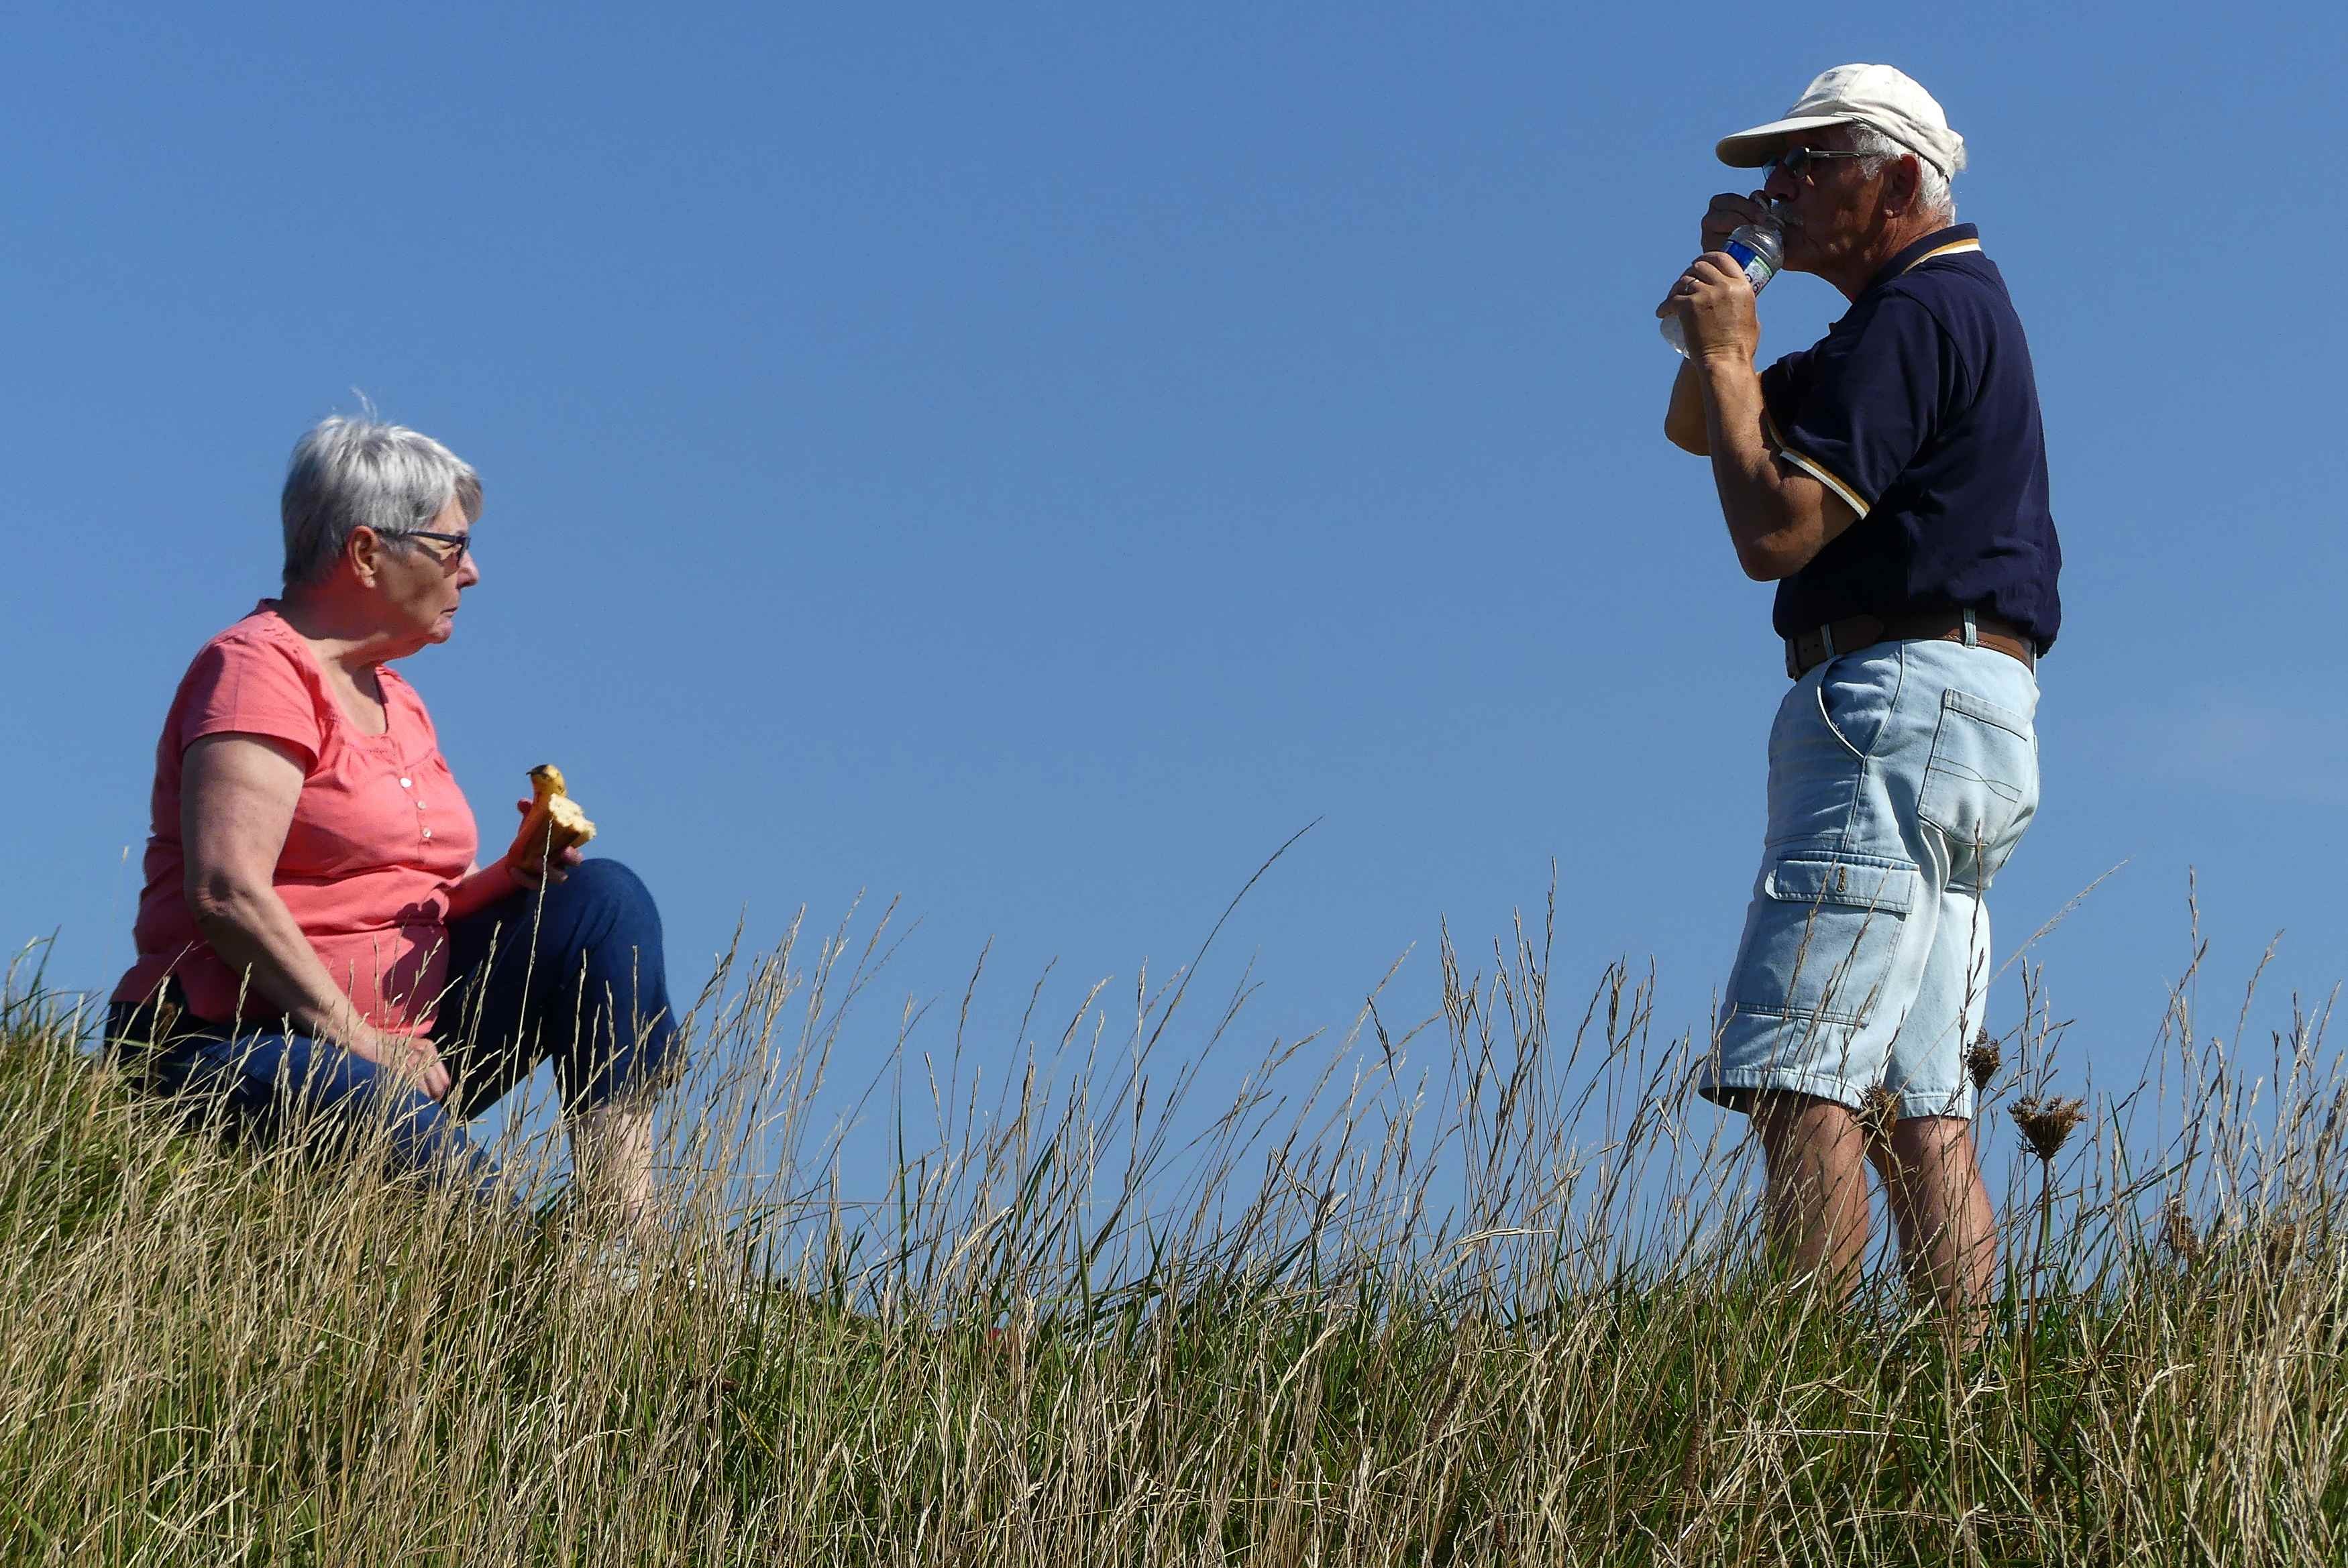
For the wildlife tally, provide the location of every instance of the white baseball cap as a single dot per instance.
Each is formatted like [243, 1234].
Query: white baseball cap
[1881, 98]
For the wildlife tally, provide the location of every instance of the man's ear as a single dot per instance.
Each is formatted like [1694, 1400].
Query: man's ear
[1903, 181]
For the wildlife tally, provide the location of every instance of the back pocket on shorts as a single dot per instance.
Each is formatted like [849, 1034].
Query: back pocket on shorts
[1821, 940]
[1981, 785]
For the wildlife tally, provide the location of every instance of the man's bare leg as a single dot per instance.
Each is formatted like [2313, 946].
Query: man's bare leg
[612, 1154]
[1817, 1203]
[1948, 1232]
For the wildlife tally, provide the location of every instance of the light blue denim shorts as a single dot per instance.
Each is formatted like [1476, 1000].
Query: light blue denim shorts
[1900, 778]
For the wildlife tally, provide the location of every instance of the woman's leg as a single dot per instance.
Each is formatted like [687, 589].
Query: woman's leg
[272, 1086]
[579, 975]
[612, 1149]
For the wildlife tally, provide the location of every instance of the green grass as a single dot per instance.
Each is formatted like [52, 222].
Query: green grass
[1092, 1325]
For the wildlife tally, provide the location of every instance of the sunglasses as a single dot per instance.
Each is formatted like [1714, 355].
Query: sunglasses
[459, 543]
[1797, 161]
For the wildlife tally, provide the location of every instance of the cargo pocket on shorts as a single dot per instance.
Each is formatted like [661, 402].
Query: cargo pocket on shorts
[1981, 786]
[1822, 937]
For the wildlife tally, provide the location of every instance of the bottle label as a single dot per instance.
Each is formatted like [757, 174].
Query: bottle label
[1758, 269]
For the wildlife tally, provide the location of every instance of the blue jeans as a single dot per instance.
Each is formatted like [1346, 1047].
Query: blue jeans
[1900, 778]
[579, 978]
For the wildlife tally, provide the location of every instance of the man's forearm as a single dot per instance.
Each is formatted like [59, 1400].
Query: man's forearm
[1744, 469]
[1778, 518]
[1683, 417]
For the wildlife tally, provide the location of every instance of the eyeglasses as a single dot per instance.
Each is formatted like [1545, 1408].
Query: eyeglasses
[457, 543]
[1797, 160]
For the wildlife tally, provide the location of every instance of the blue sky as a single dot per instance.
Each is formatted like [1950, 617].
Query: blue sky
[1030, 462]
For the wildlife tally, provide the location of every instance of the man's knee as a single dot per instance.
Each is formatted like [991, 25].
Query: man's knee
[1928, 1145]
[1790, 1116]
[1811, 1145]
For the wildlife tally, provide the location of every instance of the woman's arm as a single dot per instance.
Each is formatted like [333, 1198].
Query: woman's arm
[237, 795]
[516, 871]
[482, 886]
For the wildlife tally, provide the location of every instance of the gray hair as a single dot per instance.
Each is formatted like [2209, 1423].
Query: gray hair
[1931, 186]
[352, 473]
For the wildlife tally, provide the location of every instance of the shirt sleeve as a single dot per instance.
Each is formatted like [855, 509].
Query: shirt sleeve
[1856, 409]
[1782, 383]
[241, 688]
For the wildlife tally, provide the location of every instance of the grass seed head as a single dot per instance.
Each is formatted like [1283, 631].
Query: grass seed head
[1879, 1109]
[2178, 1232]
[2047, 1122]
[2278, 1240]
[1982, 1061]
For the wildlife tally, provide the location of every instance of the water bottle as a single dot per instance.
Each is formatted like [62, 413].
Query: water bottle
[1759, 248]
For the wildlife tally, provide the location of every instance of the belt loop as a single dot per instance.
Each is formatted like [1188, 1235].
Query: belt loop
[1825, 634]
[1973, 632]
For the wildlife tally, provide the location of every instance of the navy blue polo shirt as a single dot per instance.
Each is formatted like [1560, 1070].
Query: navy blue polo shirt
[1919, 408]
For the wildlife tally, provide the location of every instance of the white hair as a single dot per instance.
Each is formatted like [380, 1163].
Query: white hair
[1931, 186]
[352, 473]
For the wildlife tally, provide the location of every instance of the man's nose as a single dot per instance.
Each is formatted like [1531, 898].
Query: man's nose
[468, 571]
[1779, 185]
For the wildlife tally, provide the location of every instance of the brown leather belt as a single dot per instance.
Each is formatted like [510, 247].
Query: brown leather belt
[1812, 648]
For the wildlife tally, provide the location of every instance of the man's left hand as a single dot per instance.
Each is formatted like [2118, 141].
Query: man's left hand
[1714, 304]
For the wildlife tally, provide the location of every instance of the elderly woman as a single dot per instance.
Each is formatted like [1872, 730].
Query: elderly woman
[316, 939]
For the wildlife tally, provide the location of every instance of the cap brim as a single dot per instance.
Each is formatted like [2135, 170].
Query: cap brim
[1752, 148]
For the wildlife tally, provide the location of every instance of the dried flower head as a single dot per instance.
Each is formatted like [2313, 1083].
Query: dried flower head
[1878, 1109]
[2178, 1232]
[2047, 1124]
[2279, 1239]
[1982, 1061]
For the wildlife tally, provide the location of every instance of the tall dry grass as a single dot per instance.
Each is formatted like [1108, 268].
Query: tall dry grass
[1479, 1290]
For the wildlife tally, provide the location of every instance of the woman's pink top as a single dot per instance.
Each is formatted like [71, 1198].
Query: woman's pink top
[380, 835]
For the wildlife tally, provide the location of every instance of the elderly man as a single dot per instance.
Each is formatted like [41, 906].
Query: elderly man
[1891, 480]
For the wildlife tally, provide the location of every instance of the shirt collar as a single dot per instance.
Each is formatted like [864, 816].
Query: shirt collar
[1957, 237]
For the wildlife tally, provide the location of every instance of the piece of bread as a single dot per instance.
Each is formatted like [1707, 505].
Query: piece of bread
[554, 823]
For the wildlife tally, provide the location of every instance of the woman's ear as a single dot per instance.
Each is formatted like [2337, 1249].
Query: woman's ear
[364, 549]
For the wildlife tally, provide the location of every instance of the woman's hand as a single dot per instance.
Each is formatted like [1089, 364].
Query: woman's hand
[529, 868]
[412, 1057]
[517, 870]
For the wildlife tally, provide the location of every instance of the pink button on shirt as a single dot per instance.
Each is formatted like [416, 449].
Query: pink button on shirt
[380, 835]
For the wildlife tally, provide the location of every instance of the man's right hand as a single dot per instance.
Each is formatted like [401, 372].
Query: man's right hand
[1728, 213]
